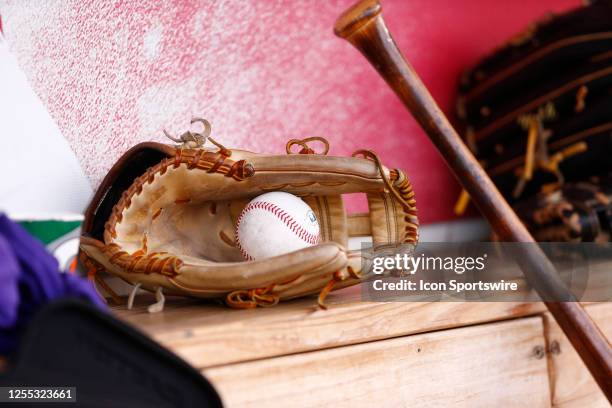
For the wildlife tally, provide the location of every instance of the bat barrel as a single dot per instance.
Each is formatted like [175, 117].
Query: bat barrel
[364, 27]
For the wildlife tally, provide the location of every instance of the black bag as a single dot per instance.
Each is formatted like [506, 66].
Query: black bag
[71, 343]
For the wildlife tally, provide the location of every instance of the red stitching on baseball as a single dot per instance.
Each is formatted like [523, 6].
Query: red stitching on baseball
[281, 215]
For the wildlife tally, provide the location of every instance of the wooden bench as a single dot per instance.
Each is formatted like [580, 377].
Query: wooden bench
[378, 354]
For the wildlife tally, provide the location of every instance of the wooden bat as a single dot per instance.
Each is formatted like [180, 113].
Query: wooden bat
[363, 26]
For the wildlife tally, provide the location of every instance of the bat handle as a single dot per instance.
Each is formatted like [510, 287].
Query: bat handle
[364, 27]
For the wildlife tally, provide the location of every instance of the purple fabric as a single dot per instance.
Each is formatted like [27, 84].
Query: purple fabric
[29, 278]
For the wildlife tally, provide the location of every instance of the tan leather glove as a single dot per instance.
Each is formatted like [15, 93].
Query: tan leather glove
[164, 218]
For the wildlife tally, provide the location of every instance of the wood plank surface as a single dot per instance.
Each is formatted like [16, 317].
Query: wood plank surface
[571, 384]
[207, 335]
[490, 365]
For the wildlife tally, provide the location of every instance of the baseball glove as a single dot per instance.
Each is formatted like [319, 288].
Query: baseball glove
[164, 219]
[576, 212]
[536, 112]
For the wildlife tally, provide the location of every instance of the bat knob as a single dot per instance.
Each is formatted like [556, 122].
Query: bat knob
[357, 17]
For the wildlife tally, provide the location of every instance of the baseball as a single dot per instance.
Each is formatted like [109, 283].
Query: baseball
[274, 224]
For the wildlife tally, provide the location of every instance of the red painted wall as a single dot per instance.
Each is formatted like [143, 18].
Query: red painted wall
[113, 74]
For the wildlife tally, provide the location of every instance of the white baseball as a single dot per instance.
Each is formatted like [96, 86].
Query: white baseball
[274, 224]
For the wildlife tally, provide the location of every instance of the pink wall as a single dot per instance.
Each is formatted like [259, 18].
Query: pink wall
[116, 73]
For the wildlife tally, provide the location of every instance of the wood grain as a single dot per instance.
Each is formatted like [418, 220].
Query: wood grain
[481, 366]
[207, 335]
[571, 384]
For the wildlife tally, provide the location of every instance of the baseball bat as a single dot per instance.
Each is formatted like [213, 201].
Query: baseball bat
[363, 26]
